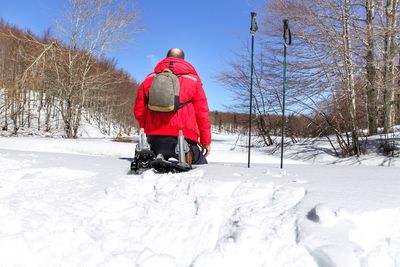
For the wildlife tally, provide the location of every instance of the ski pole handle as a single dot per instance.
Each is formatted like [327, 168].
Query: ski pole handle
[253, 23]
[286, 30]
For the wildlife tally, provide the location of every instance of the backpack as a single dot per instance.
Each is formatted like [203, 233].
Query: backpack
[164, 92]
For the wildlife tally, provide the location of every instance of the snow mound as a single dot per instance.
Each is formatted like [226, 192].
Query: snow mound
[209, 222]
[322, 214]
[369, 238]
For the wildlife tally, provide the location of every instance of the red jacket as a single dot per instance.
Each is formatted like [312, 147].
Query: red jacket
[193, 118]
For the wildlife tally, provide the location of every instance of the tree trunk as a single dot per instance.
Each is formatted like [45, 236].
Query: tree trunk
[39, 110]
[67, 113]
[370, 68]
[5, 125]
[349, 77]
[389, 65]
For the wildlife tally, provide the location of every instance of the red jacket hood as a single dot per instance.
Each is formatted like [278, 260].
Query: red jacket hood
[180, 66]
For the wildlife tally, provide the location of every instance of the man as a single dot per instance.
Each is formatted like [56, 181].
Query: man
[192, 118]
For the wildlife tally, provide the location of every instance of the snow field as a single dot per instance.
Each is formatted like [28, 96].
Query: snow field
[77, 208]
[58, 217]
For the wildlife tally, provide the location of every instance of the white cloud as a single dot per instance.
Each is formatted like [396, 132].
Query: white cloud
[153, 60]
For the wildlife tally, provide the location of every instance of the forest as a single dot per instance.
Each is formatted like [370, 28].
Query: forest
[342, 73]
[48, 82]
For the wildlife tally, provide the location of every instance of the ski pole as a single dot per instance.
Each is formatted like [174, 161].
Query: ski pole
[286, 41]
[253, 29]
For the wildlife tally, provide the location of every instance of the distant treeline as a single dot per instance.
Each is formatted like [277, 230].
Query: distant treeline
[268, 127]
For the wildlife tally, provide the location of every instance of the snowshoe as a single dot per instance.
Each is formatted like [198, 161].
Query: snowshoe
[142, 161]
[160, 165]
[143, 155]
[145, 158]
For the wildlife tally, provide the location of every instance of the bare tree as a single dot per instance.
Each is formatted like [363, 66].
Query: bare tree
[91, 29]
[349, 74]
[335, 69]
[36, 73]
[390, 51]
[371, 64]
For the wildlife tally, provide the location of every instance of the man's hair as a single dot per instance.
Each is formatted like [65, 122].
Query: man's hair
[176, 52]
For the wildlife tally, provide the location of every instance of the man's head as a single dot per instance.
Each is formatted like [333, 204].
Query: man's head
[176, 52]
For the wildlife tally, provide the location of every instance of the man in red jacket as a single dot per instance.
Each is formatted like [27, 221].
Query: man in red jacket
[192, 118]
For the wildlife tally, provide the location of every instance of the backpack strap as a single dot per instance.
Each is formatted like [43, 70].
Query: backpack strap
[168, 70]
[181, 105]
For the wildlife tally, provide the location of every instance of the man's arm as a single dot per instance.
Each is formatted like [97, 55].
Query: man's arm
[202, 116]
[140, 106]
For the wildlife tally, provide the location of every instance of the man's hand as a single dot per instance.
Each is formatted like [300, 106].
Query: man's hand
[205, 150]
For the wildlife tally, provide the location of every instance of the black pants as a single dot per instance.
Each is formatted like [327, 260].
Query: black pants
[165, 145]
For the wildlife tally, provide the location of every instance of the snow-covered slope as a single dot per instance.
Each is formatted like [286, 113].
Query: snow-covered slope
[71, 203]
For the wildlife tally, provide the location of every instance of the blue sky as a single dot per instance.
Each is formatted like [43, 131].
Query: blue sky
[208, 31]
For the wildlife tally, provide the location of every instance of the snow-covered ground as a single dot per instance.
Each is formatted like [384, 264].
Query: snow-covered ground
[71, 203]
